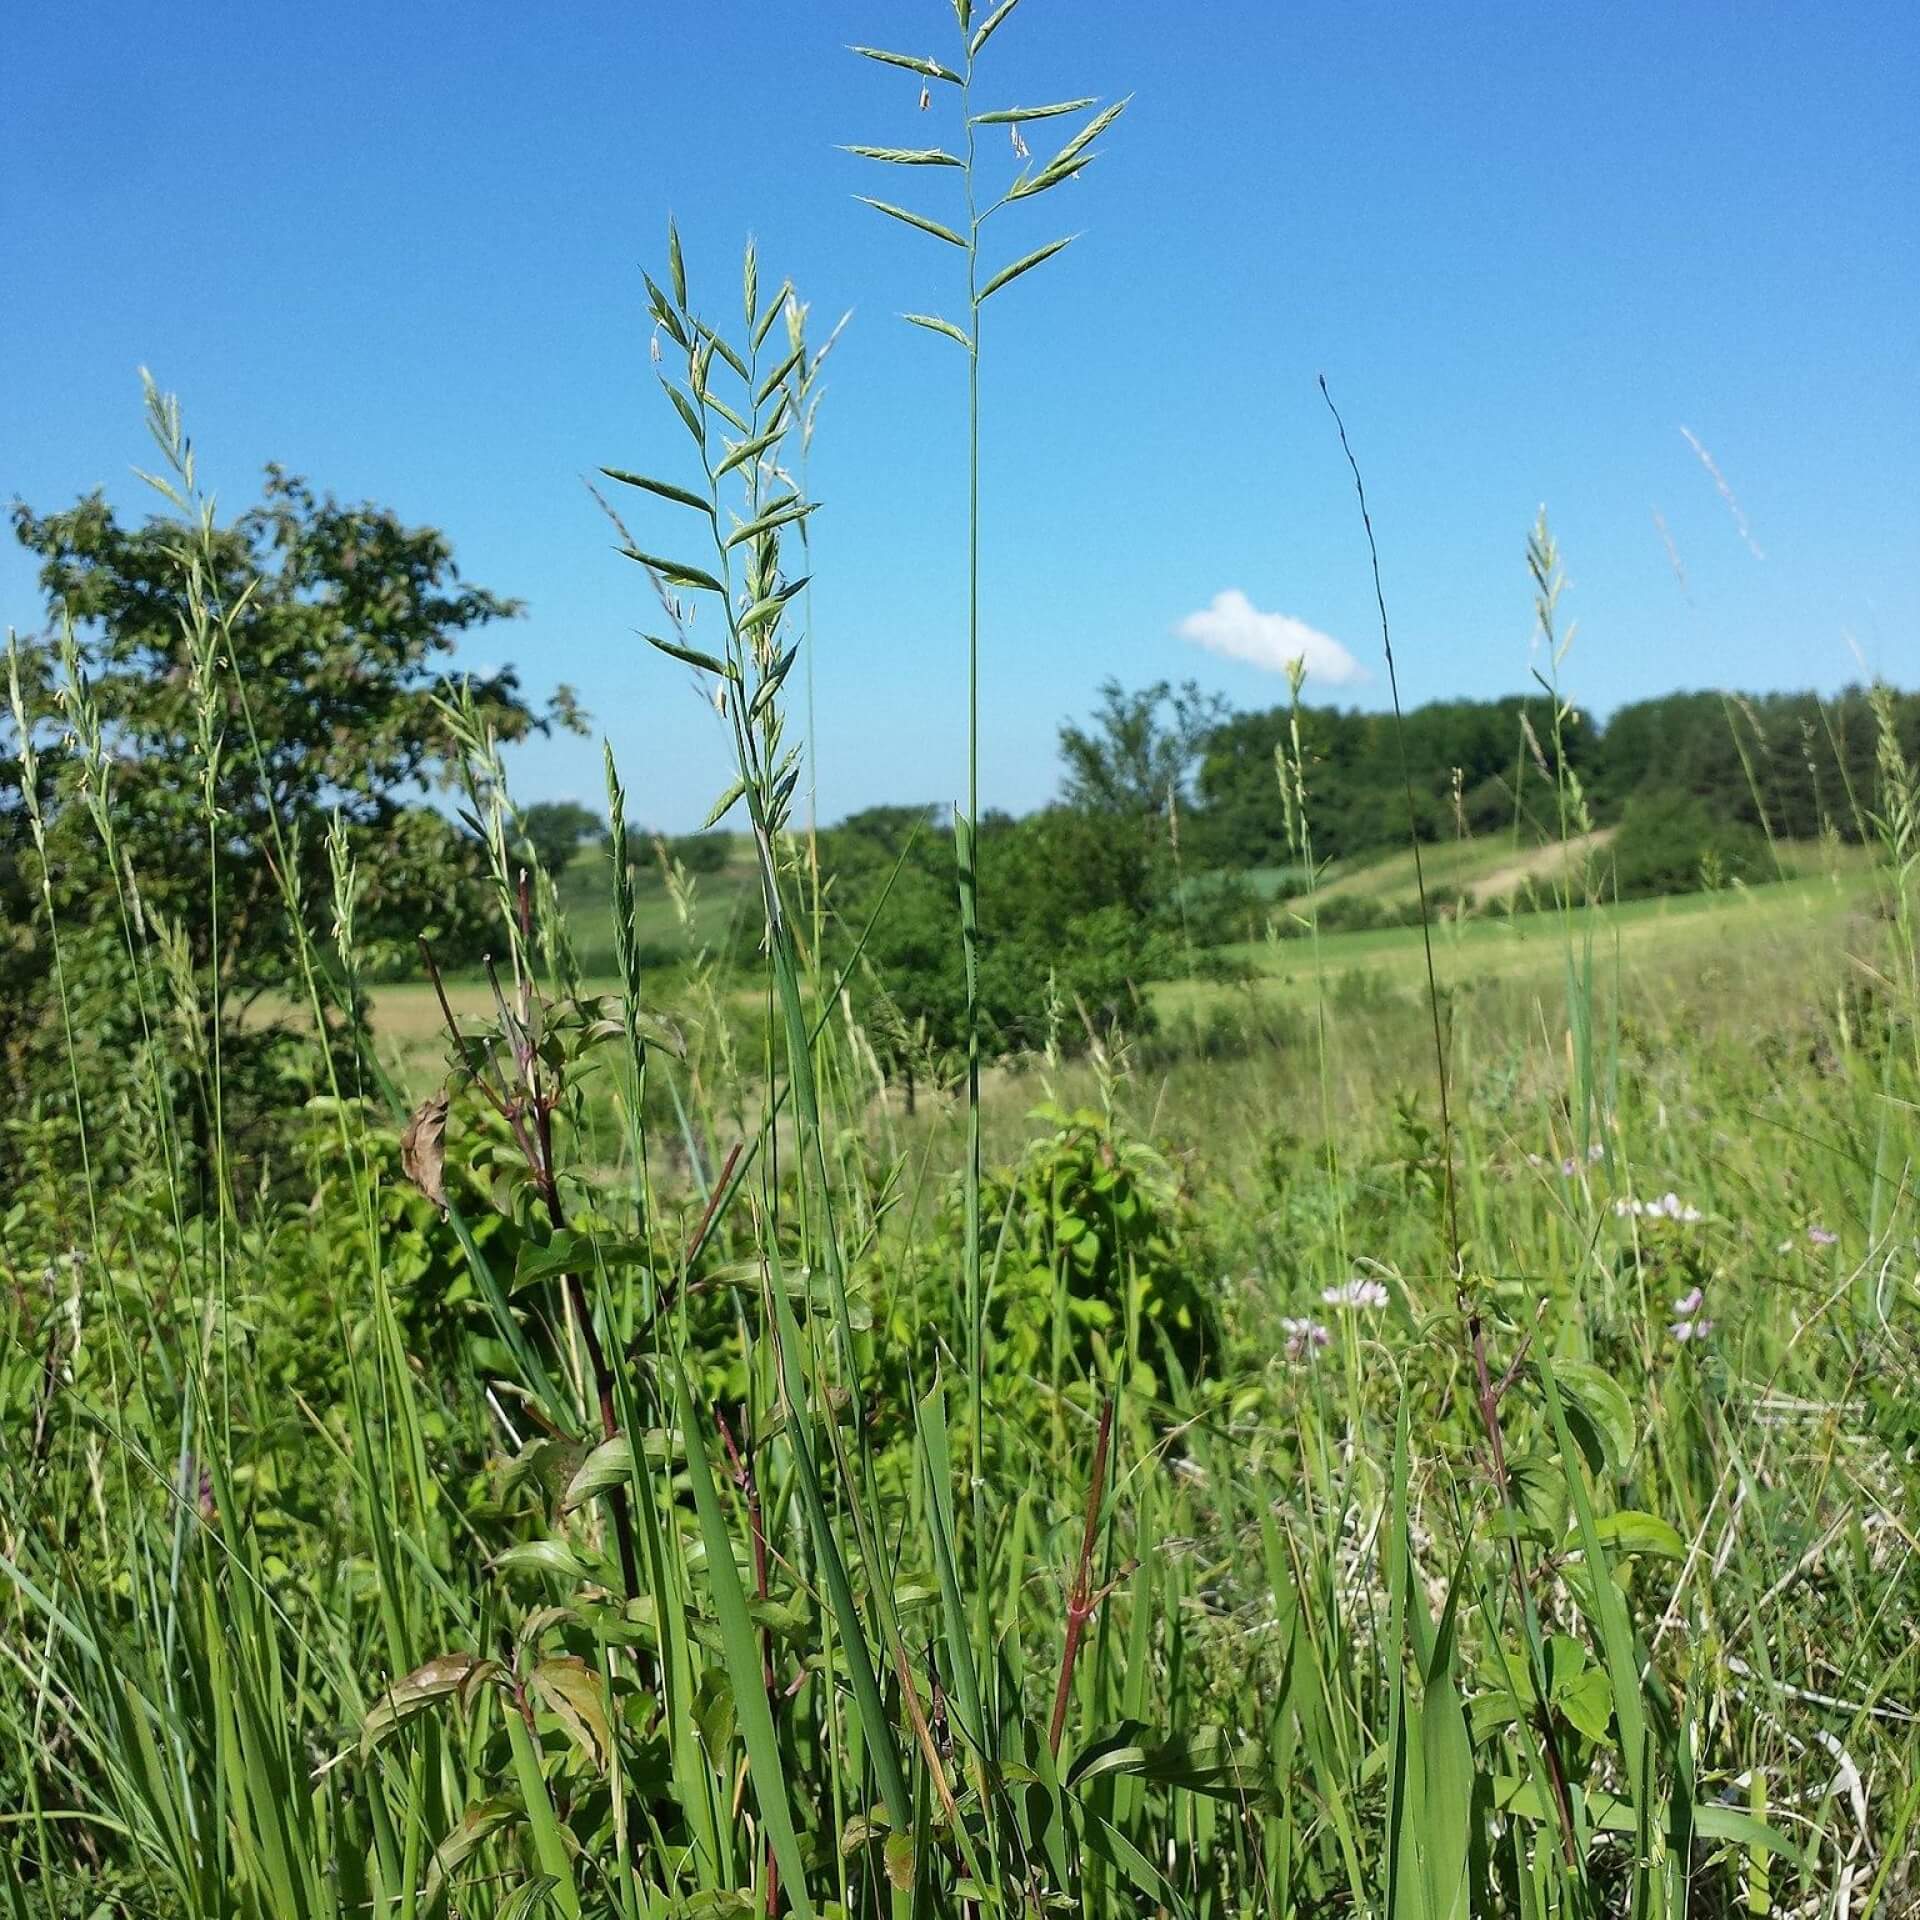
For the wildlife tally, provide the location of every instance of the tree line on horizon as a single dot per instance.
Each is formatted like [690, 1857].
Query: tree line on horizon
[1130, 873]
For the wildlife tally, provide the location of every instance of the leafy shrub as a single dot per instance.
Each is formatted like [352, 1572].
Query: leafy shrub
[1100, 1257]
[1671, 842]
[701, 852]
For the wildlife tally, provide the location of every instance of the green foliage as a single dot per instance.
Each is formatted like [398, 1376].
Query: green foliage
[555, 830]
[1792, 764]
[237, 706]
[1102, 1266]
[1671, 842]
[626, 1488]
[701, 852]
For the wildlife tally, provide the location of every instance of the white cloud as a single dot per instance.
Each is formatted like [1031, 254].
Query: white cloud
[1232, 625]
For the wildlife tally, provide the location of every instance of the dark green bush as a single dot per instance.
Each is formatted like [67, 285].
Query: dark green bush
[1671, 842]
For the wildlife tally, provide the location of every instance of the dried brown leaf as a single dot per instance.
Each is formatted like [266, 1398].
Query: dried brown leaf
[423, 1149]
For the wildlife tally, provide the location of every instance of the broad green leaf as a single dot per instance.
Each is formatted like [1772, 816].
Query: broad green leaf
[1587, 1701]
[1611, 1813]
[1599, 1412]
[1207, 1762]
[932, 69]
[664, 488]
[1631, 1531]
[1025, 265]
[570, 1690]
[919, 220]
[542, 1556]
[606, 1466]
[441, 1677]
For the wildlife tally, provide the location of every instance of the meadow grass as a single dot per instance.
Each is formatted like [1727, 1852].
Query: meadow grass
[625, 1464]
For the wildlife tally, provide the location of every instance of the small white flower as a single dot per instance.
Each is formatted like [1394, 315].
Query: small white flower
[1691, 1325]
[1668, 1207]
[1354, 1294]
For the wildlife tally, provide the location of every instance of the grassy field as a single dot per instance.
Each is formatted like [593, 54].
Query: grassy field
[1683, 1195]
[1334, 1449]
[1640, 939]
[1668, 932]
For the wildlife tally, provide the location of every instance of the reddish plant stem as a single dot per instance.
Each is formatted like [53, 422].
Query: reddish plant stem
[536, 1149]
[1081, 1599]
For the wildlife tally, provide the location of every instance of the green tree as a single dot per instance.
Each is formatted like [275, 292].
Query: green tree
[339, 623]
[555, 830]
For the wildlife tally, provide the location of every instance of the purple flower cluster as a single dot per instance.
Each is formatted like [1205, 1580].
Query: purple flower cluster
[1305, 1338]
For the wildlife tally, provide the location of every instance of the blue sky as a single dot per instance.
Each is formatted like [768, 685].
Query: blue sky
[399, 250]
